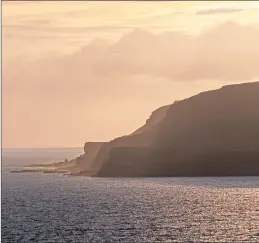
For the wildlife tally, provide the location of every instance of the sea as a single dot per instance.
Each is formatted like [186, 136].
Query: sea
[51, 208]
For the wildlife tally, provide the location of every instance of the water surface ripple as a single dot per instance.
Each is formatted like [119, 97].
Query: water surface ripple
[49, 208]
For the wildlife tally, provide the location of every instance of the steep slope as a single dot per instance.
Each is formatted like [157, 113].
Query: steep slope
[142, 137]
[213, 133]
[84, 163]
[155, 117]
[227, 118]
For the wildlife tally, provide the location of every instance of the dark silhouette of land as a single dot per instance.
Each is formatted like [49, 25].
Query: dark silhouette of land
[214, 133]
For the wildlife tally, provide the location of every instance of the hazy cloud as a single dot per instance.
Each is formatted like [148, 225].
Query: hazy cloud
[221, 10]
[226, 52]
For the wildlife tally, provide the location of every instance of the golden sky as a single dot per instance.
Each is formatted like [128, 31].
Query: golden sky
[32, 27]
[83, 71]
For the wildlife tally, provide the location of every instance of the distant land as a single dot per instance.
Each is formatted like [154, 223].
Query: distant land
[24, 156]
[214, 133]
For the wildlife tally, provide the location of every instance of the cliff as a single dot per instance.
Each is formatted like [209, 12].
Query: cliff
[84, 163]
[142, 137]
[214, 133]
[154, 119]
[76, 166]
[96, 153]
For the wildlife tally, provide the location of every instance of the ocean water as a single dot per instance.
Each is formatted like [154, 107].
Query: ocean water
[54, 208]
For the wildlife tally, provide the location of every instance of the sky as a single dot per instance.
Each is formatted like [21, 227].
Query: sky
[92, 71]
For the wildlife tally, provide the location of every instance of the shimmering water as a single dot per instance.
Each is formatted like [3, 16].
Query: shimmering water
[51, 208]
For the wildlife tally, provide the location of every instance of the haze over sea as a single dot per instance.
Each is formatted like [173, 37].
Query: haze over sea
[45, 208]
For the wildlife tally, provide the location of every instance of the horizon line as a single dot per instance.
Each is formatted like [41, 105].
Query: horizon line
[65, 147]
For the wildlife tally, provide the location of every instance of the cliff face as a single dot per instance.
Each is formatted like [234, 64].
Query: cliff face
[142, 137]
[96, 153]
[84, 163]
[81, 165]
[212, 133]
[155, 118]
[227, 118]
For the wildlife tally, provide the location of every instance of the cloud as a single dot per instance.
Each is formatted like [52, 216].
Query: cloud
[212, 11]
[226, 52]
[68, 30]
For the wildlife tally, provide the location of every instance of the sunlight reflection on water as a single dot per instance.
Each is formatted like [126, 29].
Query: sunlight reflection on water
[51, 208]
